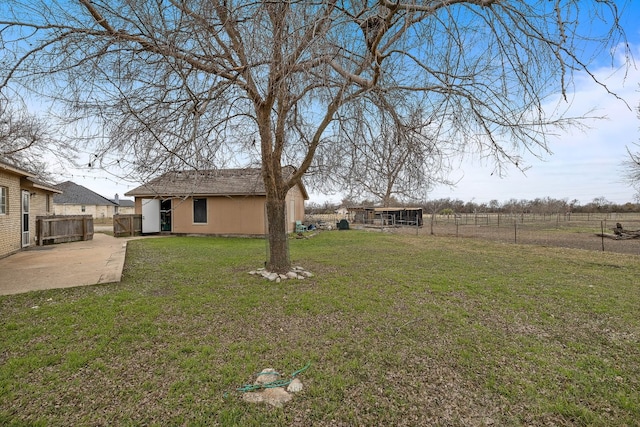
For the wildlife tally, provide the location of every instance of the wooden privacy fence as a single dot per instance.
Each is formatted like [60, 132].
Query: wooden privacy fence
[127, 225]
[63, 228]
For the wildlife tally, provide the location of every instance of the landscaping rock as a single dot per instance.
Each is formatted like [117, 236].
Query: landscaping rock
[295, 386]
[296, 272]
[276, 397]
[267, 376]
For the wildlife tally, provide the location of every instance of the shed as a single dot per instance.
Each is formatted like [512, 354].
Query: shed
[218, 202]
[387, 216]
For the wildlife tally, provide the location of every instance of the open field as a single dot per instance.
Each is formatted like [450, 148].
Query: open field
[400, 329]
[577, 231]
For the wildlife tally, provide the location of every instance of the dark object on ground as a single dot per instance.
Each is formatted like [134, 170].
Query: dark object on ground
[619, 233]
[343, 224]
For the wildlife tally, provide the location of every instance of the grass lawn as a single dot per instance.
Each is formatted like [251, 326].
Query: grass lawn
[399, 330]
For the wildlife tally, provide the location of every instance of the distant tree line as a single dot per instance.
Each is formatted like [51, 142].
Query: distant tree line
[446, 206]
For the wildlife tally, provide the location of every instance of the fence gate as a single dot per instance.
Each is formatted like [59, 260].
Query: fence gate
[127, 225]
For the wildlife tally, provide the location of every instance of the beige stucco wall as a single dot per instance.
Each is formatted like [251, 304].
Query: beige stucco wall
[295, 207]
[225, 215]
[237, 215]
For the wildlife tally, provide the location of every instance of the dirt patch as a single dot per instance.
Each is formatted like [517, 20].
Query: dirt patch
[530, 234]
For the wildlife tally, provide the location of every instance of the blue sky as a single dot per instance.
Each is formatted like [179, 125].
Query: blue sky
[584, 164]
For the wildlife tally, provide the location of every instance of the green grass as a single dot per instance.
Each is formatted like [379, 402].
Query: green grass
[399, 330]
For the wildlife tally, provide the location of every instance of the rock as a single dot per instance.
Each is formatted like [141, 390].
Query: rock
[295, 386]
[296, 273]
[276, 396]
[253, 397]
[267, 376]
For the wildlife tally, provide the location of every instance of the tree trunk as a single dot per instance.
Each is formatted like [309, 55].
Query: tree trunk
[279, 260]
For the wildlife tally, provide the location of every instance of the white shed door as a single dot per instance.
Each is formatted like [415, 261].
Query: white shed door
[150, 215]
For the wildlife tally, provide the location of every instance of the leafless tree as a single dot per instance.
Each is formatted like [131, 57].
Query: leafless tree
[190, 82]
[632, 166]
[384, 156]
[26, 140]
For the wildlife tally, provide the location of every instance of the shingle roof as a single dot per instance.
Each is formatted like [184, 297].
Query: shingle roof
[123, 203]
[30, 178]
[74, 194]
[13, 168]
[221, 182]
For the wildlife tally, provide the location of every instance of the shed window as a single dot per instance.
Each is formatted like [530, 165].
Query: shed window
[200, 211]
[3, 200]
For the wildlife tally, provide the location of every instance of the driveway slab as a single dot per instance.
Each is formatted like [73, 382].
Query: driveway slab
[64, 265]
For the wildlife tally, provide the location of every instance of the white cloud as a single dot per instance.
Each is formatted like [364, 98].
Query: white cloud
[584, 164]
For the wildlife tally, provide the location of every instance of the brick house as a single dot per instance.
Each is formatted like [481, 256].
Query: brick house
[22, 198]
[79, 200]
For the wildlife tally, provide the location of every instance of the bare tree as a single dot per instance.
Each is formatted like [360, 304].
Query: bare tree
[387, 156]
[190, 82]
[632, 167]
[26, 140]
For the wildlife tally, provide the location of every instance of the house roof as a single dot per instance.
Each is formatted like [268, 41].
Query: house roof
[36, 183]
[10, 167]
[220, 182]
[124, 203]
[74, 194]
[28, 178]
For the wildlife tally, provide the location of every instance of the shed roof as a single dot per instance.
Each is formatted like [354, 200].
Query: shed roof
[74, 194]
[387, 209]
[219, 182]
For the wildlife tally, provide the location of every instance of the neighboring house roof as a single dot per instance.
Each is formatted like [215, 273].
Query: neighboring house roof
[124, 203]
[74, 194]
[221, 182]
[28, 176]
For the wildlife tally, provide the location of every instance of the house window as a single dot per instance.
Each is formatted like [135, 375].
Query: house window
[3, 200]
[200, 211]
[83, 208]
[48, 201]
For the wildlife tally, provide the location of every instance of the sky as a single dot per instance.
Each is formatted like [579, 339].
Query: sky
[583, 164]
